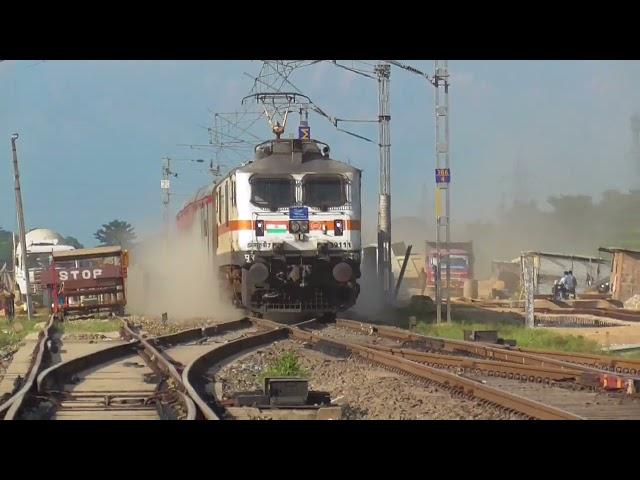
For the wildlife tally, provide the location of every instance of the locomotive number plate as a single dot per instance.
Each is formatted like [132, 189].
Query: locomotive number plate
[340, 244]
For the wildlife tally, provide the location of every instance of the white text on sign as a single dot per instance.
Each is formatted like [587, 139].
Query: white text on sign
[77, 274]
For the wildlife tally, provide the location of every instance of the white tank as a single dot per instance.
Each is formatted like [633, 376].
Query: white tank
[40, 243]
[42, 236]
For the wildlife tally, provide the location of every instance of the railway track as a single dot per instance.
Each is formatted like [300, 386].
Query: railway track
[567, 386]
[457, 385]
[39, 358]
[139, 380]
[173, 376]
[613, 312]
[586, 363]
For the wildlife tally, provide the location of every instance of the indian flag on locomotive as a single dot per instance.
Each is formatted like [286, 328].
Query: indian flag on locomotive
[277, 227]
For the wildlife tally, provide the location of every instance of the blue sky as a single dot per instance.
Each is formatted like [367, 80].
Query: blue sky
[92, 133]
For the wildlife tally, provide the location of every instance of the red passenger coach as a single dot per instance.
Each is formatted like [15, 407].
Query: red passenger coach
[87, 280]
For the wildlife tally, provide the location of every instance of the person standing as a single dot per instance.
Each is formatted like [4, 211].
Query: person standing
[422, 281]
[11, 305]
[572, 283]
[7, 302]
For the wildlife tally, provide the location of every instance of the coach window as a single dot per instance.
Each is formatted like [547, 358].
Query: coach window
[324, 191]
[203, 217]
[273, 192]
[226, 203]
[233, 192]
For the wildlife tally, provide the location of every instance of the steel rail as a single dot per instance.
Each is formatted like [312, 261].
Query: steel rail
[507, 354]
[459, 385]
[13, 403]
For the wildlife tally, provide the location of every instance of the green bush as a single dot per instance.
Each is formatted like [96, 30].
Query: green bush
[286, 364]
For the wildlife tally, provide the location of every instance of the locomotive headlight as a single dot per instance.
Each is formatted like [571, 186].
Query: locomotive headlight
[260, 228]
[338, 228]
[299, 226]
[342, 272]
[258, 272]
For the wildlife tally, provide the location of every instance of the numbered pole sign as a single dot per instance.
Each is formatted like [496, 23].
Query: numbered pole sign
[443, 176]
[304, 133]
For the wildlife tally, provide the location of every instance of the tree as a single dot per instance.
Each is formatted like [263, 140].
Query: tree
[6, 246]
[116, 232]
[73, 241]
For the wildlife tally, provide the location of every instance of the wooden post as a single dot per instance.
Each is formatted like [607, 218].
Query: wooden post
[528, 278]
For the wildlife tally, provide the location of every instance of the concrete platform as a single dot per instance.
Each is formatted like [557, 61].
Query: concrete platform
[623, 348]
[18, 367]
[150, 414]
[250, 413]
[71, 350]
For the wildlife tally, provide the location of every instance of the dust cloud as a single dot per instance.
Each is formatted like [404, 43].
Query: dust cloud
[177, 278]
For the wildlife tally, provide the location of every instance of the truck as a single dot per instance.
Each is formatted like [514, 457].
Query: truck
[460, 255]
[87, 280]
[41, 243]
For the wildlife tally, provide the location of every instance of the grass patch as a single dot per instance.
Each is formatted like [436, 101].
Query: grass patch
[631, 355]
[9, 336]
[90, 326]
[286, 364]
[525, 337]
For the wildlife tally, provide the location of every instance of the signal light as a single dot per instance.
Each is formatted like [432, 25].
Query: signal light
[338, 228]
[259, 228]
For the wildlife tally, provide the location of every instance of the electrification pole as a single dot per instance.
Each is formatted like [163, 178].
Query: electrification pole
[23, 235]
[443, 178]
[165, 185]
[443, 175]
[383, 72]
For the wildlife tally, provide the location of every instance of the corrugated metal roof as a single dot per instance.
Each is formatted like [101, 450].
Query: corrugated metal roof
[567, 257]
[617, 249]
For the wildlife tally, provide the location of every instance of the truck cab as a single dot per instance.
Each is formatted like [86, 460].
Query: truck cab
[461, 259]
[41, 243]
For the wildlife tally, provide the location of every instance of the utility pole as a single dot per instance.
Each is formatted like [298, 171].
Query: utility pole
[165, 185]
[385, 280]
[443, 178]
[23, 235]
[443, 173]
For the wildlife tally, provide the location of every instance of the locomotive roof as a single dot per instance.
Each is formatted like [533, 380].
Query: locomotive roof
[294, 156]
[284, 156]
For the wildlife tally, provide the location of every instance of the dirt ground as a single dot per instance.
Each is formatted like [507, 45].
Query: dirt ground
[621, 335]
[363, 391]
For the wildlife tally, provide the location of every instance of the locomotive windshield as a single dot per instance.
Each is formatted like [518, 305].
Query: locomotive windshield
[324, 191]
[273, 192]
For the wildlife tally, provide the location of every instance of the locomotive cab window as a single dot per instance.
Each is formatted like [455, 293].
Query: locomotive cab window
[324, 191]
[273, 192]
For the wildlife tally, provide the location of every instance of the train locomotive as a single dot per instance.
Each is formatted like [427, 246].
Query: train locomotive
[282, 230]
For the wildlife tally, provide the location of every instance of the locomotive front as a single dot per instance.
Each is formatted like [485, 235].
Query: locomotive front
[302, 251]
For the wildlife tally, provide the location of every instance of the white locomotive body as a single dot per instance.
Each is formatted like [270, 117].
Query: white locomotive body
[283, 230]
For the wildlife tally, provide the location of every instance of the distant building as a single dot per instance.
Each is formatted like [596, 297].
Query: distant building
[625, 273]
[549, 267]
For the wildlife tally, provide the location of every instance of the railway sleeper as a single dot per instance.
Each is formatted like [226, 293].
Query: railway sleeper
[454, 391]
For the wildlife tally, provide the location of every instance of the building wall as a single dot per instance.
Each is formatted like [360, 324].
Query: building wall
[625, 275]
